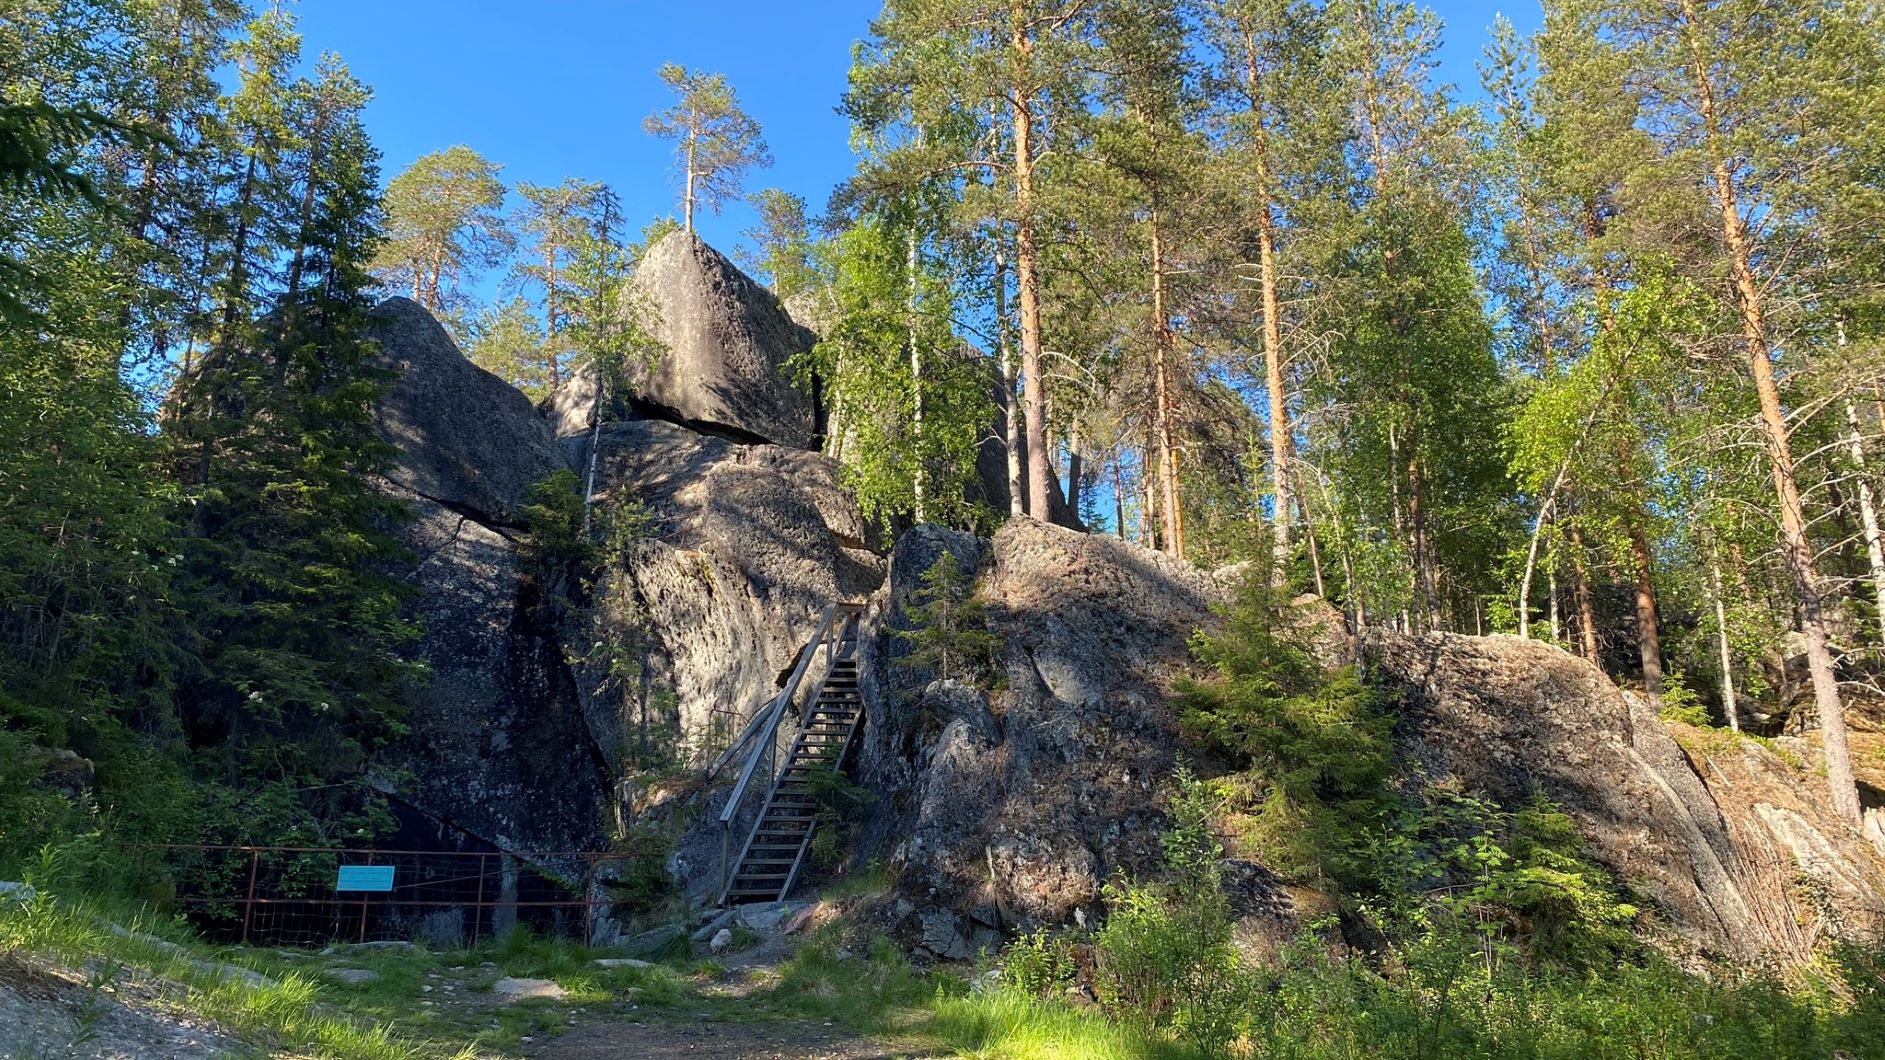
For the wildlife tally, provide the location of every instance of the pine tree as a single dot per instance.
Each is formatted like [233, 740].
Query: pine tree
[781, 243]
[443, 224]
[715, 141]
[1768, 123]
[507, 341]
[554, 222]
[973, 86]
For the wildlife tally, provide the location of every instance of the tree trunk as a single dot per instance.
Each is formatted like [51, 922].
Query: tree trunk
[1553, 613]
[1027, 284]
[1842, 787]
[299, 261]
[1868, 511]
[1162, 354]
[1580, 592]
[238, 253]
[687, 194]
[1648, 641]
[1728, 704]
[1011, 425]
[1315, 552]
[1282, 441]
[1075, 468]
[916, 382]
[1148, 506]
[1417, 526]
[1119, 499]
[549, 313]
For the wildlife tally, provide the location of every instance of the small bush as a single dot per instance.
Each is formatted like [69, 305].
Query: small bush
[1315, 743]
[948, 628]
[1039, 964]
[841, 804]
[1164, 959]
[1680, 703]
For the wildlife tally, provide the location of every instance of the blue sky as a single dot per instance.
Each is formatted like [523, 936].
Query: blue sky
[556, 88]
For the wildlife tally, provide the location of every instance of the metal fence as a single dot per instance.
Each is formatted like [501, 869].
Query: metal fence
[300, 896]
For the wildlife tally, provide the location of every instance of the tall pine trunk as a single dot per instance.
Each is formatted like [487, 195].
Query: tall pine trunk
[1842, 787]
[1027, 282]
[1162, 355]
[1282, 441]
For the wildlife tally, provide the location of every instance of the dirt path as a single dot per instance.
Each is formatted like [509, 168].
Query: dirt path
[663, 1040]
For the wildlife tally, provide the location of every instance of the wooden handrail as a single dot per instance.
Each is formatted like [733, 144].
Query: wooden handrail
[768, 719]
[791, 686]
[765, 724]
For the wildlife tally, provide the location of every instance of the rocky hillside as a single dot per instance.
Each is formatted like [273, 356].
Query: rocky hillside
[1012, 809]
[518, 737]
[996, 807]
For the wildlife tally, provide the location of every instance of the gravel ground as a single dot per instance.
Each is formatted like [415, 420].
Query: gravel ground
[54, 1014]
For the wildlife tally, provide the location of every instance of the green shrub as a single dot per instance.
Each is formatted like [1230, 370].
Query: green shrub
[840, 805]
[1314, 742]
[948, 628]
[1039, 964]
[1680, 703]
[1164, 959]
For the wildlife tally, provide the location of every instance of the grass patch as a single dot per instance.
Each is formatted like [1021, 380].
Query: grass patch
[1013, 1026]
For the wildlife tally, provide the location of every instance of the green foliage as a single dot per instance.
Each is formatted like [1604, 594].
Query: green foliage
[888, 349]
[1522, 879]
[443, 225]
[948, 627]
[1680, 703]
[1164, 958]
[782, 243]
[1040, 964]
[841, 805]
[715, 140]
[553, 519]
[1313, 742]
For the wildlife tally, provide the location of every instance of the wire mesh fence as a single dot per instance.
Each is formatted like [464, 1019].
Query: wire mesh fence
[312, 896]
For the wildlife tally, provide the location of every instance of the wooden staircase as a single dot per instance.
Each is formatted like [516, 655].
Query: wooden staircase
[781, 838]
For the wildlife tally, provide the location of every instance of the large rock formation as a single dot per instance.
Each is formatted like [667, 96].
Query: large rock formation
[728, 341]
[1012, 807]
[498, 747]
[518, 735]
[748, 545]
[1001, 806]
[467, 440]
[1015, 810]
[1736, 849]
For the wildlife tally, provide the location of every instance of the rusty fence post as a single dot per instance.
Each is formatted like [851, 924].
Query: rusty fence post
[248, 904]
[364, 895]
[589, 900]
[477, 907]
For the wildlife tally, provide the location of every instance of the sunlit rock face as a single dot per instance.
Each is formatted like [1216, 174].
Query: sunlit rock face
[498, 746]
[521, 732]
[727, 342]
[1736, 849]
[1012, 805]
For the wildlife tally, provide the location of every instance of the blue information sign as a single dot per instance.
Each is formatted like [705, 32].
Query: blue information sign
[365, 878]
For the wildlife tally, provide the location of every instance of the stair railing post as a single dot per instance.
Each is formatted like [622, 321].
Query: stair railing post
[726, 832]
